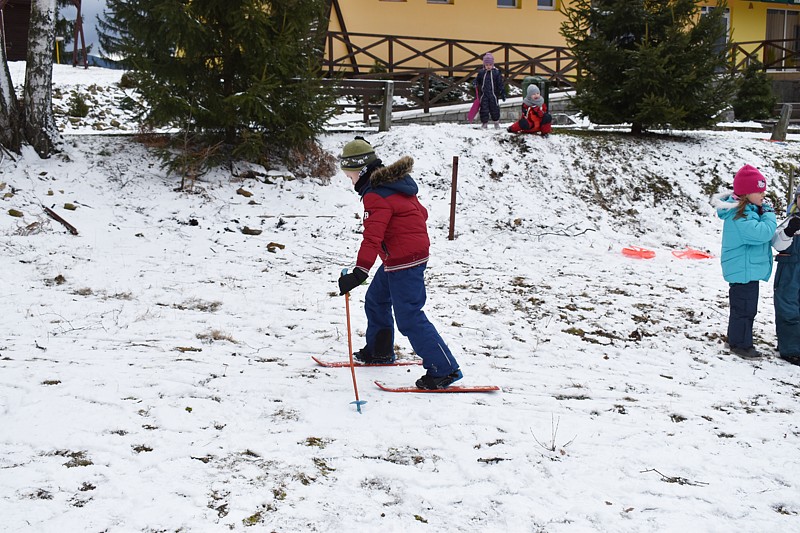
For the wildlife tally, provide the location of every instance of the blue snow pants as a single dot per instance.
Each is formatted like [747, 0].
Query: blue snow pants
[744, 306]
[404, 291]
[787, 306]
[490, 107]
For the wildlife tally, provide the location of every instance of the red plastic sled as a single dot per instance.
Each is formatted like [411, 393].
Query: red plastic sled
[637, 252]
[691, 253]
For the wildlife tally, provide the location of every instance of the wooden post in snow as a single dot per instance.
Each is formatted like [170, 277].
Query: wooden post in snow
[779, 131]
[386, 108]
[453, 188]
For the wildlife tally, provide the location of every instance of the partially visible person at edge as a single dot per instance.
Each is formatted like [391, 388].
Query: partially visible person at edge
[395, 230]
[786, 287]
[491, 89]
[535, 118]
[747, 231]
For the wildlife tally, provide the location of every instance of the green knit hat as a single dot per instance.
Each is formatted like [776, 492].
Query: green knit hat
[357, 154]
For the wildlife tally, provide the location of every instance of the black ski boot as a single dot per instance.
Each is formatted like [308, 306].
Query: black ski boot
[429, 382]
[384, 350]
[367, 358]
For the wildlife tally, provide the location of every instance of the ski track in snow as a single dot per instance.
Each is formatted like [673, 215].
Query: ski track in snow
[164, 383]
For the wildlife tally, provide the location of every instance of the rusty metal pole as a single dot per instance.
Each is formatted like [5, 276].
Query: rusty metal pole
[453, 188]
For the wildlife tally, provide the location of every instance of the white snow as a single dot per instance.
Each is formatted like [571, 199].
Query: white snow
[155, 375]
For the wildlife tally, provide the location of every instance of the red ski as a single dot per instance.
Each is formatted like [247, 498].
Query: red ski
[451, 388]
[346, 364]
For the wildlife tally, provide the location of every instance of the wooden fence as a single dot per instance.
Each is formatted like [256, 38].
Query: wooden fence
[441, 70]
[774, 55]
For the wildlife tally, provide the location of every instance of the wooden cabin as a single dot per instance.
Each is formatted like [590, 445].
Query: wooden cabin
[14, 21]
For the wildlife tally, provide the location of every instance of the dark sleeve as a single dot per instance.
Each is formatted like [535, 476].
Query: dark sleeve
[478, 79]
[500, 84]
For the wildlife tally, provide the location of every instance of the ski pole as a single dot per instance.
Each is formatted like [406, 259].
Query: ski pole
[358, 402]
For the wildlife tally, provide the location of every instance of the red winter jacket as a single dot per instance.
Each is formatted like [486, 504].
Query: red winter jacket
[532, 120]
[394, 221]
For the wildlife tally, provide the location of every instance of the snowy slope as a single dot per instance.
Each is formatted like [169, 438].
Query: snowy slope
[155, 370]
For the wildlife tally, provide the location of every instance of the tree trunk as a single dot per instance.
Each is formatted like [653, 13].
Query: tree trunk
[38, 121]
[9, 108]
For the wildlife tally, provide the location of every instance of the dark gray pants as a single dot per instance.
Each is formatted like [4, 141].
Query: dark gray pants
[490, 108]
[744, 306]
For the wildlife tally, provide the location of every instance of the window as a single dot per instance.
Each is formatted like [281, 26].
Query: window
[546, 4]
[783, 27]
[721, 45]
[440, 1]
[507, 3]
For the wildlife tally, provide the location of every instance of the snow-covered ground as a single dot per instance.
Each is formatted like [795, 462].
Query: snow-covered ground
[156, 372]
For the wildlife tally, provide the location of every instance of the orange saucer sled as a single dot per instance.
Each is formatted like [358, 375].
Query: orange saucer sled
[691, 253]
[637, 252]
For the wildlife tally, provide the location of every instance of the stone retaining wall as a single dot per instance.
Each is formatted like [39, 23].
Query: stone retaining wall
[510, 111]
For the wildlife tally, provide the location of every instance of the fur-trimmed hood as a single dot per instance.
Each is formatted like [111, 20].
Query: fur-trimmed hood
[394, 172]
[395, 178]
[723, 201]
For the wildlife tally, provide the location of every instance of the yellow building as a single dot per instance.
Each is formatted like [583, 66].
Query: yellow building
[475, 25]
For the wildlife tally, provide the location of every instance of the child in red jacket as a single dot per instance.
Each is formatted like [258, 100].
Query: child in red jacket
[395, 230]
[535, 118]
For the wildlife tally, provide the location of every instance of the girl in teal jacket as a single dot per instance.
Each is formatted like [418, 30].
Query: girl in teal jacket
[749, 224]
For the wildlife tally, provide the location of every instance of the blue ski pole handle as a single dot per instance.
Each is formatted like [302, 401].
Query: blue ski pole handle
[344, 271]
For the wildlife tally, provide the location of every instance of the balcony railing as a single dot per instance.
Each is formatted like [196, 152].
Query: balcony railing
[442, 69]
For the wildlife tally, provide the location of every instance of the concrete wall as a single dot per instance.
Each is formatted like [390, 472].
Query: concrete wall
[510, 111]
[786, 86]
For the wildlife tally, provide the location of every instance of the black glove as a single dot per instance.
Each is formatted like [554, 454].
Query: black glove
[348, 282]
[792, 227]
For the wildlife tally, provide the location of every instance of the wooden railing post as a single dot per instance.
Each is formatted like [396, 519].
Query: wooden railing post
[391, 54]
[426, 92]
[450, 57]
[386, 109]
[330, 54]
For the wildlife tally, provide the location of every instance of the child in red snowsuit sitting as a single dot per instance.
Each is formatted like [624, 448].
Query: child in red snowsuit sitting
[535, 118]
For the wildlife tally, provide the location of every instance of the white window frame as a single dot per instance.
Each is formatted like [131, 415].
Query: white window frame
[440, 1]
[546, 5]
[515, 6]
[726, 16]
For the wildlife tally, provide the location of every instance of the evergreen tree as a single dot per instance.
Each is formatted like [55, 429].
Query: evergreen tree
[754, 98]
[241, 71]
[653, 63]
